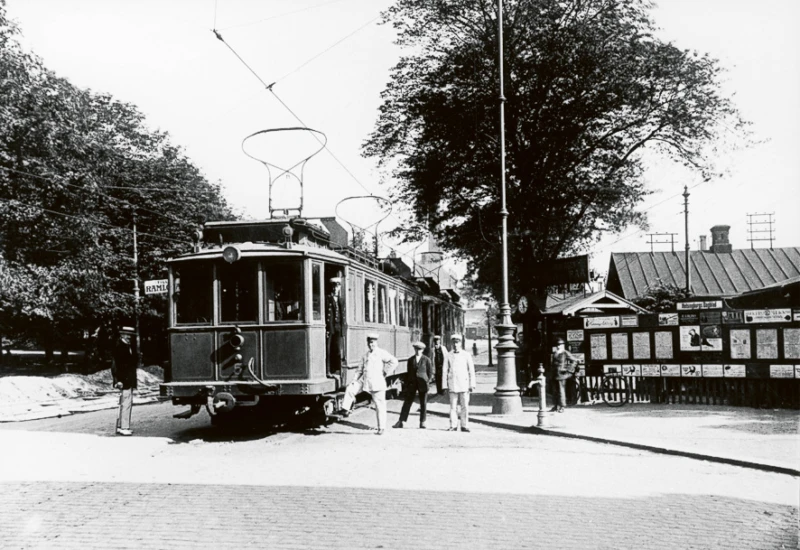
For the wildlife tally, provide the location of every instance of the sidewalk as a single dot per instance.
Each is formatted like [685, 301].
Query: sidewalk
[755, 438]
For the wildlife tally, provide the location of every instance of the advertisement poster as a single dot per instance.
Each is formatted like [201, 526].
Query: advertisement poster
[740, 343]
[629, 321]
[696, 338]
[767, 343]
[710, 318]
[781, 371]
[575, 336]
[783, 315]
[670, 370]
[598, 347]
[612, 369]
[691, 318]
[631, 370]
[735, 316]
[708, 304]
[668, 319]
[734, 371]
[641, 345]
[664, 345]
[691, 371]
[712, 371]
[600, 322]
[619, 345]
[651, 370]
[791, 343]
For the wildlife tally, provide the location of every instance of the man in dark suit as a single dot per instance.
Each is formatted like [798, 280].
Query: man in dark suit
[419, 373]
[123, 370]
[440, 358]
[335, 326]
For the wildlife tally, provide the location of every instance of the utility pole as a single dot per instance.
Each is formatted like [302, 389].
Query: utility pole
[686, 221]
[136, 294]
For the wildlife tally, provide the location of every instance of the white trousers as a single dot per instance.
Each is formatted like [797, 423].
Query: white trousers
[459, 399]
[378, 400]
[125, 407]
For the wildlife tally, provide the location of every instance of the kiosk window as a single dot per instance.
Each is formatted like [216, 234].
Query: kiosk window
[767, 343]
[791, 343]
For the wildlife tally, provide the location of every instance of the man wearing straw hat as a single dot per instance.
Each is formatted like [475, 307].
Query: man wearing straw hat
[123, 371]
[461, 381]
[376, 365]
[419, 373]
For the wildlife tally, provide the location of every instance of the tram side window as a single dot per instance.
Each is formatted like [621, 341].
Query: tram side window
[401, 307]
[238, 285]
[193, 295]
[284, 292]
[316, 291]
[393, 306]
[383, 309]
[370, 305]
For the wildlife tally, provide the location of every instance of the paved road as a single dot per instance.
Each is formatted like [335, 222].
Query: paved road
[69, 483]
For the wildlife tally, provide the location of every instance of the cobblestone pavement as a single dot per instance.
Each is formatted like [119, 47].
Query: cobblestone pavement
[70, 484]
[133, 515]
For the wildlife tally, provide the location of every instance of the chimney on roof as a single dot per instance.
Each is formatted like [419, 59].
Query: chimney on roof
[703, 243]
[719, 239]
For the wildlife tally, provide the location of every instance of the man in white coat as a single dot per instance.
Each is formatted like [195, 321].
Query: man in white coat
[375, 366]
[460, 376]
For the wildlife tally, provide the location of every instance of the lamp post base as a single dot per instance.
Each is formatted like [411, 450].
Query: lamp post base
[507, 400]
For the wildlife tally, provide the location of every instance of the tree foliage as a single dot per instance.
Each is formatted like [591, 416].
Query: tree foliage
[661, 297]
[588, 89]
[76, 167]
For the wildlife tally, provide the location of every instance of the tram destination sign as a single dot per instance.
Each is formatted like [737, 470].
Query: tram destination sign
[157, 286]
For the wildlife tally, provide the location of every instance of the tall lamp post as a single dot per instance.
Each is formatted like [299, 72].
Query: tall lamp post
[506, 395]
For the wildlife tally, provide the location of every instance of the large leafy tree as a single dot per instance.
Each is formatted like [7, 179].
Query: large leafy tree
[588, 90]
[77, 168]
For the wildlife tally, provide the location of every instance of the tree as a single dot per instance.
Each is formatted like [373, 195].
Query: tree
[76, 169]
[588, 90]
[661, 296]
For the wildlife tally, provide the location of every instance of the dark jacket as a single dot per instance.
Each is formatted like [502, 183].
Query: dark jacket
[423, 369]
[124, 366]
[564, 364]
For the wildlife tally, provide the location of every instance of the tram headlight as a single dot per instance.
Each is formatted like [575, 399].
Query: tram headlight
[231, 253]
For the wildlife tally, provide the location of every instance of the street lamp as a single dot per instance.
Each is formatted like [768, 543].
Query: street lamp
[506, 396]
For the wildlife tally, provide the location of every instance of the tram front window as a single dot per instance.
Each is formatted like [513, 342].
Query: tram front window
[192, 297]
[284, 286]
[238, 283]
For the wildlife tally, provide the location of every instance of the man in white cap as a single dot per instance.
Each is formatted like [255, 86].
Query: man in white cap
[460, 376]
[123, 371]
[376, 365]
[419, 373]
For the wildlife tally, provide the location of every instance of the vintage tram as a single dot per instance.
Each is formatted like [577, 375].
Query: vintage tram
[247, 317]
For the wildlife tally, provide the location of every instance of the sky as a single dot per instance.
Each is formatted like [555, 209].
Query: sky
[330, 60]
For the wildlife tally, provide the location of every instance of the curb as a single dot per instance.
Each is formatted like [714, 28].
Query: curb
[638, 446]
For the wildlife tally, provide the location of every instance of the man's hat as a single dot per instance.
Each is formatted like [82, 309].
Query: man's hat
[336, 280]
[560, 341]
[455, 336]
[437, 337]
[418, 345]
[372, 336]
[126, 330]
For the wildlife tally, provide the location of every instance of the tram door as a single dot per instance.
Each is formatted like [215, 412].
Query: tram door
[335, 318]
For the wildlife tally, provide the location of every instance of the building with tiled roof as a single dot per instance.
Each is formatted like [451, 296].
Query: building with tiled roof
[719, 271]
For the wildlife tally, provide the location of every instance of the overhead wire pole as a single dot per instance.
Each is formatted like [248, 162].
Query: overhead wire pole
[686, 223]
[136, 294]
[507, 399]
